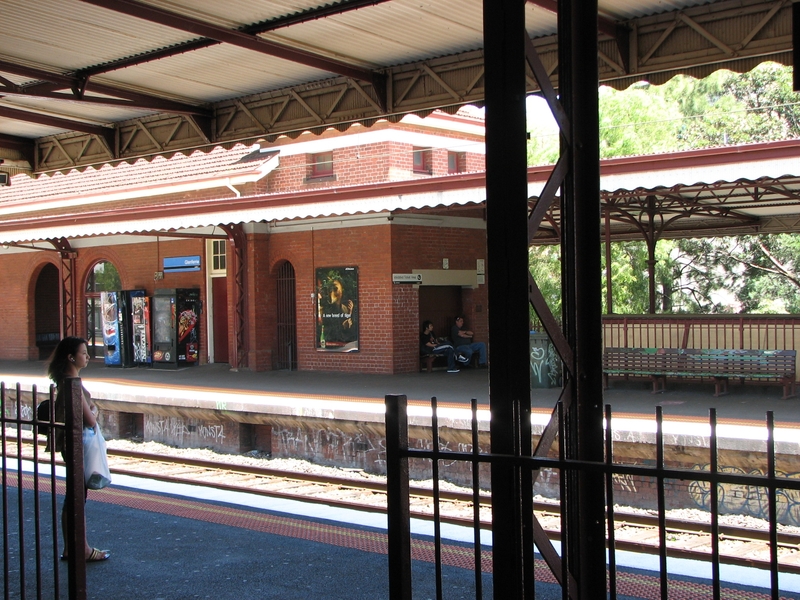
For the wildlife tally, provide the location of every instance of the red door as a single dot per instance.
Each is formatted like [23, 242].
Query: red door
[219, 296]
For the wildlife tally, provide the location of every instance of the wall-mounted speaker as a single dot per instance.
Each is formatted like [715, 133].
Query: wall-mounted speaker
[5, 179]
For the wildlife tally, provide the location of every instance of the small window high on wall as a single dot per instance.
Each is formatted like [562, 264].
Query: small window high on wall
[104, 277]
[456, 162]
[321, 165]
[422, 160]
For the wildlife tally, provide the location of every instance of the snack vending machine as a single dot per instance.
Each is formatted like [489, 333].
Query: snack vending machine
[117, 311]
[142, 336]
[176, 327]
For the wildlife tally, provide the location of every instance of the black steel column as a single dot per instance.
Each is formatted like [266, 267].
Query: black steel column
[507, 243]
[74, 499]
[581, 247]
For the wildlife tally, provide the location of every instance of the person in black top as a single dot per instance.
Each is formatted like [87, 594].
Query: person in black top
[428, 344]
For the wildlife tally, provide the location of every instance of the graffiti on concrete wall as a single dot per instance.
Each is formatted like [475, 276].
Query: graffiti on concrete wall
[748, 500]
[332, 445]
[177, 428]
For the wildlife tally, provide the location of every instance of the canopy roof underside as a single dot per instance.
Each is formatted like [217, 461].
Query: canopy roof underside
[92, 81]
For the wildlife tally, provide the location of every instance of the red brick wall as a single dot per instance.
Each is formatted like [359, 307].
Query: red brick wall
[260, 304]
[424, 248]
[388, 314]
[367, 248]
[359, 165]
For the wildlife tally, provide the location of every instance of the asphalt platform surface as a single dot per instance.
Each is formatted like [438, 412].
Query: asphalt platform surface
[171, 543]
[183, 542]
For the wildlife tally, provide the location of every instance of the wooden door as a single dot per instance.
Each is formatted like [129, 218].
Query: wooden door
[219, 298]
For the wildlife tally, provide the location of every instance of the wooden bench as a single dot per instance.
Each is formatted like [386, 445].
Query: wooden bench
[719, 365]
[427, 360]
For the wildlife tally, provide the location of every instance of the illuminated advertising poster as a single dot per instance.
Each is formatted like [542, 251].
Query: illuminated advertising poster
[108, 304]
[337, 309]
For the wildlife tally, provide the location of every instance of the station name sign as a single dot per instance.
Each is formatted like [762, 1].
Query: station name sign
[176, 264]
[406, 277]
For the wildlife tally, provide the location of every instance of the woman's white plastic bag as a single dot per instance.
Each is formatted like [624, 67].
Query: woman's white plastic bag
[96, 474]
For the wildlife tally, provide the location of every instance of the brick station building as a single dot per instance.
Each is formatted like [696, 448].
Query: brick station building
[269, 228]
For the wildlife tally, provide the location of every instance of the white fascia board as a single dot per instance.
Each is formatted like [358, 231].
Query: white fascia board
[412, 138]
[687, 175]
[335, 208]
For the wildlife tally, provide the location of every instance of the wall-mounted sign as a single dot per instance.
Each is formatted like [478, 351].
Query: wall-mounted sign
[406, 277]
[177, 264]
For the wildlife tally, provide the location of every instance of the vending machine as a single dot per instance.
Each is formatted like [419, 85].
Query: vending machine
[117, 311]
[142, 335]
[176, 327]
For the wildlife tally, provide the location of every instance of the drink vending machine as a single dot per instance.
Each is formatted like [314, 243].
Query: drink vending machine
[142, 337]
[119, 325]
[176, 327]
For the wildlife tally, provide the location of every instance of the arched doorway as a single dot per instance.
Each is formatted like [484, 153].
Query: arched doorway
[103, 277]
[285, 353]
[47, 310]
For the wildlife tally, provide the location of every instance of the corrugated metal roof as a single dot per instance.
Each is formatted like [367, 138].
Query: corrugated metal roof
[751, 181]
[26, 193]
[69, 35]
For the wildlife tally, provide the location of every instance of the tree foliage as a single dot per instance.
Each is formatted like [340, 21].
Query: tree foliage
[756, 274]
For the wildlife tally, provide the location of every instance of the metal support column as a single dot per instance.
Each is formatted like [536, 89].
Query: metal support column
[584, 539]
[66, 270]
[507, 244]
[237, 241]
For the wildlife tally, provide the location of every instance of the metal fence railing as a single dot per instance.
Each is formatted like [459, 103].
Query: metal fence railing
[773, 487]
[31, 515]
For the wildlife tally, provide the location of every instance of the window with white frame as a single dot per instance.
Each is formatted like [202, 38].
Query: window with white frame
[218, 249]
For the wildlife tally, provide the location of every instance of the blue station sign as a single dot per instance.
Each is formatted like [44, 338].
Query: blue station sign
[178, 264]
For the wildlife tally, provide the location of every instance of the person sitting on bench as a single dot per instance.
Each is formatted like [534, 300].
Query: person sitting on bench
[462, 340]
[428, 344]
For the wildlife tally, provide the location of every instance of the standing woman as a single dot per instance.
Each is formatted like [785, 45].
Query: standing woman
[69, 357]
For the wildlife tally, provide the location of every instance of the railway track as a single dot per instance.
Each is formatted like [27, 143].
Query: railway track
[635, 532]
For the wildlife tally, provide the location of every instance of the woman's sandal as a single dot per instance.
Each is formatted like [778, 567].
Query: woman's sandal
[94, 556]
[97, 555]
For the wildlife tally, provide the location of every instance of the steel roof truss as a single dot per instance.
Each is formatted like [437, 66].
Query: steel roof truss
[202, 125]
[411, 88]
[295, 19]
[21, 144]
[729, 18]
[239, 38]
[80, 84]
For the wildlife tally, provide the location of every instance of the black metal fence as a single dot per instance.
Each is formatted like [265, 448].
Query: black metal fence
[30, 496]
[773, 487]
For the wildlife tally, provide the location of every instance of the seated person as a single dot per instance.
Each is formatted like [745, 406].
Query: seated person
[428, 344]
[462, 341]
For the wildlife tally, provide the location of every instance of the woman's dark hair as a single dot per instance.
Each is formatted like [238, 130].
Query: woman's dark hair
[59, 360]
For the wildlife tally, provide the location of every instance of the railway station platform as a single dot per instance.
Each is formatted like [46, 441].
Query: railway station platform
[174, 543]
[180, 542]
[683, 401]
